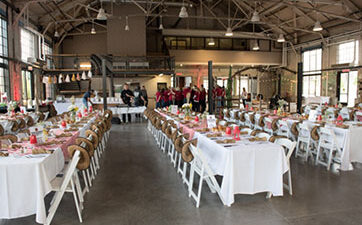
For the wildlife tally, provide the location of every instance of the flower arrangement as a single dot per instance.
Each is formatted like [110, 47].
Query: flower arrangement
[73, 108]
[12, 105]
[282, 103]
[186, 108]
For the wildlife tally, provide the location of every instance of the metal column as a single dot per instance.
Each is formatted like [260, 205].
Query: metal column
[112, 86]
[211, 88]
[104, 74]
[299, 86]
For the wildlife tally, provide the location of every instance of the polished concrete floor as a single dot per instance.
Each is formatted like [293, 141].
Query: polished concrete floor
[138, 186]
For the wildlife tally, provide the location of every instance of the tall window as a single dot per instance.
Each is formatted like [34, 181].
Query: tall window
[312, 65]
[48, 51]
[4, 66]
[27, 80]
[347, 52]
[28, 43]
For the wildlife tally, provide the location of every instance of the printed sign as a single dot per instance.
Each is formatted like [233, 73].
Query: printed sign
[211, 121]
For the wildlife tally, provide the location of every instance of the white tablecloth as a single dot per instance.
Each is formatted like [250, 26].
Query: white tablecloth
[247, 168]
[126, 110]
[24, 182]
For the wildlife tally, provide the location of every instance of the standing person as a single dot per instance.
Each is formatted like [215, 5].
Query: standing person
[186, 92]
[164, 97]
[196, 99]
[127, 96]
[179, 97]
[244, 96]
[86, 98]
[171, 96]
[223, 94]
[144, 95]
[137, 99]
[158, 99]
[202, 99]
[192, 93]
[218, 98]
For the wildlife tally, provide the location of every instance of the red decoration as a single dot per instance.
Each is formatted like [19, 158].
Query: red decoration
[79, 115]
[237, 133]
[319, 118]
[196, 119]
[228, 131]
[178, 112]
[33, 139]
[90, 108]
[275, 111]
[247, 107]
[64, 124]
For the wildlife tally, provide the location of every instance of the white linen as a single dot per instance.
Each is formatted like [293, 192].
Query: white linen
[247, 168]
[25, 182]
[126, 110]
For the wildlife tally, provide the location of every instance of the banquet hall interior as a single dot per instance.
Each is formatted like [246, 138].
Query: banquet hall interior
[193, 112]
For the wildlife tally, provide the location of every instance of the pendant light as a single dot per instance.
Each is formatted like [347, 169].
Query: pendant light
[317, 26]
[101, 13]
[256, 46]
[67, 79]
[50, 80]
[255, 18]
[161, 25]
[78, 77]
[183, 11]
[126, 28]
[56, 34]
[60, 80]
[211, 42]
[90, 74]
[281, 38]
[84, 76]
[229, 31]
[55, 80]
[73, 77]
[93, 30]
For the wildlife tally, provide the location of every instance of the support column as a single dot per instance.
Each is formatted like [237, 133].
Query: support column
[299, 87]
[104, 74]
[112, 86]
[211, 88]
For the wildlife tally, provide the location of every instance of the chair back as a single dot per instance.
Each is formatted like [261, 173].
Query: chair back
[263, 134]
[304, 130]
[246, 130]
[288, 145]
[84, 159]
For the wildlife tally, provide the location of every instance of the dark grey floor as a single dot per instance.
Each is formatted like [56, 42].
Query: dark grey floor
[138, 185]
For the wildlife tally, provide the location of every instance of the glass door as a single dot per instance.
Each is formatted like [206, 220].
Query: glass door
[348, 88]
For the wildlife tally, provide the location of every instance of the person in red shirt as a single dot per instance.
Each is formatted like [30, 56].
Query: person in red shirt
[171, 96]
[223, 94]
[165, 98]
[185, 93]
[196, 99]
[179, 98]
[202, 99]
[158, 99]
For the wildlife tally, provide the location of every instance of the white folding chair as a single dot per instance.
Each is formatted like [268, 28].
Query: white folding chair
[283, 129]
[200, 166]
[329, 146]
[305, 139]
[289, 146]
[65, 184]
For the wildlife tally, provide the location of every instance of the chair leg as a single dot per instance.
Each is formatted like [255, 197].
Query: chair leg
[79, 190]
[76, 201]
[330, 159]
[89, 178]
[191, 179]
[86, 189]
[290, 182]
[200, 188]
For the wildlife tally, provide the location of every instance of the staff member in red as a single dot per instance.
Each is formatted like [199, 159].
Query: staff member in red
[179, 98]
[202, 99]
[185, 92]
[158, 99]
[196, 99]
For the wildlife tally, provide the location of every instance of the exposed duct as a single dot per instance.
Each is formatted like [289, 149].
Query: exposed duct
[211, 33]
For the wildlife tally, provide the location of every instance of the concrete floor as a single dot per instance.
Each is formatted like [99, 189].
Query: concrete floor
[138, 185]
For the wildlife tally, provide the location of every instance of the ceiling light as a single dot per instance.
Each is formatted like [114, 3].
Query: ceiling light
[161, 74]
[281, 38]
[256, 46]
[56, 34]
[161, 25]
[183, 12]
[229, 32]
[211, 42]
[255, 17]
[126, 28]
[101, 14]
[317, 26]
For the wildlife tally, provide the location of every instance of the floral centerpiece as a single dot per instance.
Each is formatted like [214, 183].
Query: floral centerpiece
[186, 109]
[73, 109]
[12, 106]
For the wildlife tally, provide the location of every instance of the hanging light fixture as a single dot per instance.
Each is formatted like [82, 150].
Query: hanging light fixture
[90, 74]
[229, 31]
[56, 34]
[317, 26]
[93, 30]
[60, 78]
[126, 28]
[161, 25]
[255, 18]
[281, 38]
[183, 11]
[211, 42]
[256, 46]
[101, 14]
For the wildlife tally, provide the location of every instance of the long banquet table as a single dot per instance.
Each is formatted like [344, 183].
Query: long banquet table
[25, 178]
[247, 167]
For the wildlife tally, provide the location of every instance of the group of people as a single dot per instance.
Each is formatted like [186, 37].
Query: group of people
[138, 97]
[176, 96]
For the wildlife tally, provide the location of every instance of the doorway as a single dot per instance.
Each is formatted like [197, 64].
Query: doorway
[347, 87]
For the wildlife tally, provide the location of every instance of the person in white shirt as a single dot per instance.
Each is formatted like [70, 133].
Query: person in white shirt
[244, 96]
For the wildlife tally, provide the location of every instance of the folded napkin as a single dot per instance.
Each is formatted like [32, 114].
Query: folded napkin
[244, 133]
[257, 139]
[213, 135]
[4, 154]
[226, 141]
[41, 151]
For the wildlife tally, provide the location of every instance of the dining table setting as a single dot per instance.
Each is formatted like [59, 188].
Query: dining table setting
[28, 165]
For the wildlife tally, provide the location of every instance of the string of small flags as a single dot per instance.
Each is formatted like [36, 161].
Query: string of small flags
[54, 79]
